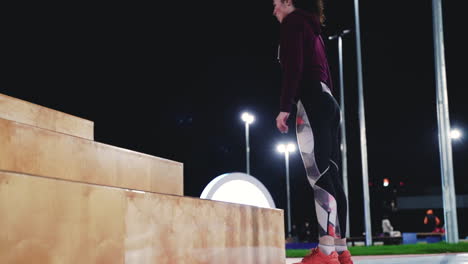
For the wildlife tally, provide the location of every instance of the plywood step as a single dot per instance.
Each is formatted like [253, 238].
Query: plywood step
[53, 221]
[35, 115]
[37, 151]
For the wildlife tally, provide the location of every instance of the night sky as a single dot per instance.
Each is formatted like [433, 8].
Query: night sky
[172, 79]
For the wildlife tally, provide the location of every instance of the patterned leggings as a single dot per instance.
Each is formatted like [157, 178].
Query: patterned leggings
[317, 123]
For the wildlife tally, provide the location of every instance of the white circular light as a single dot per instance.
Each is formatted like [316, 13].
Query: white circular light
[248, 118]
[455, 134]
[291, 147]
[238, 188]
[281, 148]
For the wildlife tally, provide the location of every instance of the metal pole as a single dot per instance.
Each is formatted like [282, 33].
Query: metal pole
[344, 163]
[247, 147]
[445, 144]
[362, 123]
[286, 158]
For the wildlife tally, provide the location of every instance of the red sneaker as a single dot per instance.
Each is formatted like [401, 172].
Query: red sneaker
[345, 257]
[317, 257]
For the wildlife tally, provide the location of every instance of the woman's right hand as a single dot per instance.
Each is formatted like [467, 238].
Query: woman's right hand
[281, 122]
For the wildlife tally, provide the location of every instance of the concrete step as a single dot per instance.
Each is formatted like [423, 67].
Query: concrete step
[35, 115]
[46, 220]
[31, 150]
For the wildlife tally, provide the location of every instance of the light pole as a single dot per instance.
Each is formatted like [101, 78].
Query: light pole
[286, 149]
[362, 126]
[248, 119]
[443, 121]
[344, 164]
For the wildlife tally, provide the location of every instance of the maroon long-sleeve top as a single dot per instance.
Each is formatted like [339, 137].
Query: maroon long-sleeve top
[302, 56]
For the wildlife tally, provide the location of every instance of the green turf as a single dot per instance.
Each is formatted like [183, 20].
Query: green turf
[431, 248]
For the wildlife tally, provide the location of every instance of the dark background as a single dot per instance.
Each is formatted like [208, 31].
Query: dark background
[171, 80]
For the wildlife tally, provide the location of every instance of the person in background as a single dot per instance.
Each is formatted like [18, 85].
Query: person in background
[431, 222]
[387, 227]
